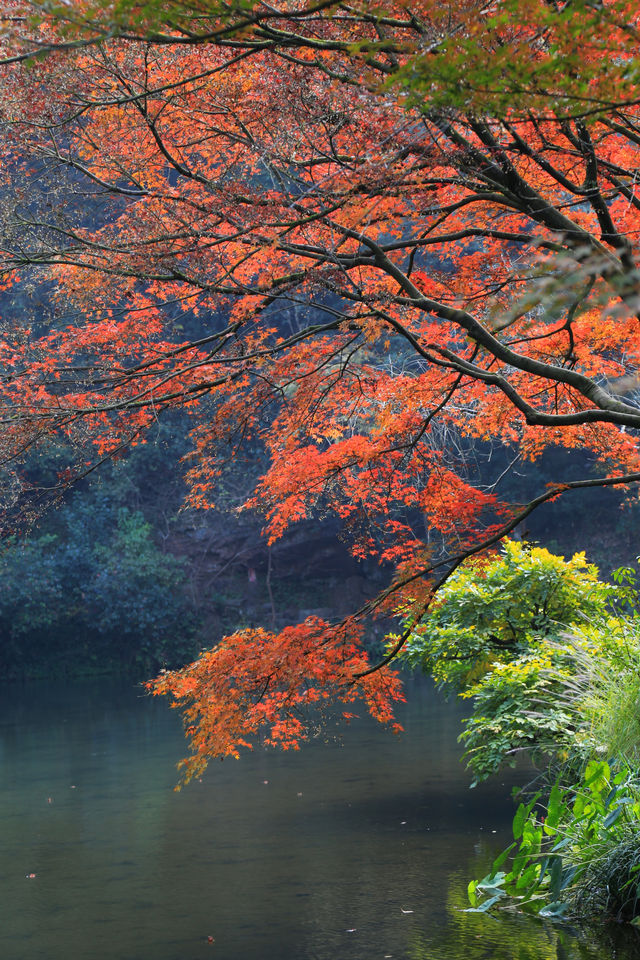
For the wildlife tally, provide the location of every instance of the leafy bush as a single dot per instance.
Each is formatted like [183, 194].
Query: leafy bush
[582, 857]
[498, 635]
[493, 610]
[517, 706]
[97, 596]
[133, 593]
[550, 657]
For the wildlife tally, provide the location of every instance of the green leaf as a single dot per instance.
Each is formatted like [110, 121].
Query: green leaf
[555, 878]
[500, 859]
[612, 817]
[518, 821]
[471, 893]
[486, 905]
[556, 909]
[555, 808]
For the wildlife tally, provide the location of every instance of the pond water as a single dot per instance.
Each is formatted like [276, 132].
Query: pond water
[348, 850]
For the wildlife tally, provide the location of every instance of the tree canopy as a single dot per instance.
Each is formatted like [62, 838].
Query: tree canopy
[407, 232]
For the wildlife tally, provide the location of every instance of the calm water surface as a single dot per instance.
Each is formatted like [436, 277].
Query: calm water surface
[345, 851]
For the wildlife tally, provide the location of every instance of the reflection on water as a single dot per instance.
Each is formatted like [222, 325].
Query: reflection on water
[348, 851]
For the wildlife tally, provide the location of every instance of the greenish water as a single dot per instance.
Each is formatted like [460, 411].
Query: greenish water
[345, 851]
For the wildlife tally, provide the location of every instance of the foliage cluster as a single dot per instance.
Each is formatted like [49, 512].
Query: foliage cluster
[549, 657]
[96, 596]
[248, 687]
[493, 636]
[580, 857]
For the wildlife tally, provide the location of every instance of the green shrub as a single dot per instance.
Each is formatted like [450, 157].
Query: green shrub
[550, 658]
[491, 611]
[517, 706]
[497, 635]
[581, 858]
[96, 597]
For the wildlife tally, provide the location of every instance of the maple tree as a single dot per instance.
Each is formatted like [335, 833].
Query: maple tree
[406, 231]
